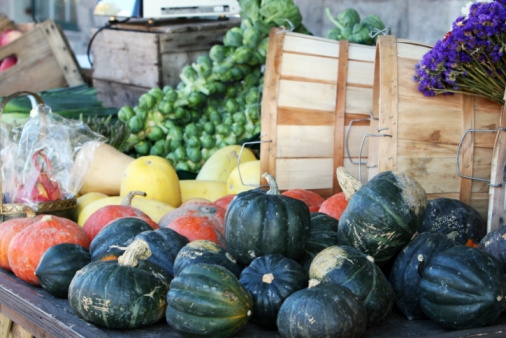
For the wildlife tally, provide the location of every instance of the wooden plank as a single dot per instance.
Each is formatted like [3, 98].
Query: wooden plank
[269, 105]
[303, 141]
[315, 68]
[300, 116]
[307, 95]
[114, 94]
[388, 112]
[5, 322]
[340, 112]
[304, 173]
[358, 100]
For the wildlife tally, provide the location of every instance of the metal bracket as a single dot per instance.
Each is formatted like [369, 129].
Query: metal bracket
[362, 146]
[458, 153]
[346, 140]
[239, 164]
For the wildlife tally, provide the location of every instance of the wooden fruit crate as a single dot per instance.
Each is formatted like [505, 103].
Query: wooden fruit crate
[445, 142]
[131, 58]
[44, 59]
[316, 108]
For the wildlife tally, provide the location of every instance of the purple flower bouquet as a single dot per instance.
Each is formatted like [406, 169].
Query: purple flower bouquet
[471, 58]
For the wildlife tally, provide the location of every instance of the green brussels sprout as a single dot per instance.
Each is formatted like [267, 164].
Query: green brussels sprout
[158, 148]
[348, 17]
[263, 45]
[135, 124]
[125, 113]
[209, 128]
[242, 54]
[142, 148]
[141, 112]
[180, 154]
[157, 93]
[194, 154]
[193, 142]
[182, 166]
[231, 105]
[217, 53]
[334, 34]
[233, 37]
[251, 37]
[147, 101]
[165, 107]
[207, 141]
[156, 133]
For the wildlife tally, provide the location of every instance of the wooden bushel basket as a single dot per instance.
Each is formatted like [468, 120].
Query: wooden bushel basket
[63, 208]
[445, 142]
[316, 107]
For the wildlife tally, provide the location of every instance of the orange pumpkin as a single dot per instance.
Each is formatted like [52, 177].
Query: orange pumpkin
[28, 246]
[102, 216]
[197, 220]
[224, 201]
[311, 198]
[10, 228]
[334, 205]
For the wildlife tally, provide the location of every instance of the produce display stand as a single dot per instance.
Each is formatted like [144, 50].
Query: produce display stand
[131, 58]
[36, 313]
[44, 59]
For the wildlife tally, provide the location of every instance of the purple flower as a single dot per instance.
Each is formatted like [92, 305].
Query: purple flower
[471, 58]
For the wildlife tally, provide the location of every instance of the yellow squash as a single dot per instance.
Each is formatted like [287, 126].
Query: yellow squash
[221, 163]
[209, 190]
[250, 174]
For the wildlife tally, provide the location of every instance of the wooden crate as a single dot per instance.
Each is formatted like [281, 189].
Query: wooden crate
[314, 90]
[130, 59]
[422, 135]
[45, 59]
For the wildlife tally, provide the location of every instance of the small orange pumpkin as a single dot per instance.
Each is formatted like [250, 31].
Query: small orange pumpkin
[28, 246]
[224, 201]
[334, 205]
[101, 217]
[10, 228]
[197, 220]
[312, 199]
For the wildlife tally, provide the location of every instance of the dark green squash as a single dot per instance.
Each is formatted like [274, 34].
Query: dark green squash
[126, 293]
[383, 215]
[205, 251]
[323, 311]
[462, 288]
[207, 300]
[351, 268]
[58, 265]
[322, 234]
[406, 269]
[260, 222]
[494, 243]
[164, 244]
[447, 215]
[112, 240]
[271, 279]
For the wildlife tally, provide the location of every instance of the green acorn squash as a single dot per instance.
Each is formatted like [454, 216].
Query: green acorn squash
[447, 215]
[271, 279]
[207, 300]
[58, 265]
[383, 215]
[494, 243]
[406, 269]
[259, 222]
[322, 234]
[111, 241]
[126, 293]
[323, 311]
[205, 251]
[351, 268]
[462, 288]
[164, 244]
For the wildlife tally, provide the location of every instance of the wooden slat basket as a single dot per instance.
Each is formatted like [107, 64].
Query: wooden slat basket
[314, 90]
[445, 142]
[44, 59]
[63, 207]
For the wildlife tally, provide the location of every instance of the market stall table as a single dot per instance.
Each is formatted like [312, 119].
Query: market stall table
[43, 315]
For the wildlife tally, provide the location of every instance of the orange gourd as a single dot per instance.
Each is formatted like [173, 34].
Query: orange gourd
[28, 246]
[334, 205]
[224, 201]
[311, 198]
[197, 220]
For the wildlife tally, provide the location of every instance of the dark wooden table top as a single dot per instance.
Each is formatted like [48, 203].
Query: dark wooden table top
[43, 315]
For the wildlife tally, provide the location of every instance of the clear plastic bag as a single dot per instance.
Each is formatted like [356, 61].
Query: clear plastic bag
[40, 167]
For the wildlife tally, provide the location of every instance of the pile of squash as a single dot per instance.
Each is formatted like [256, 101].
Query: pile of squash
[287, 261]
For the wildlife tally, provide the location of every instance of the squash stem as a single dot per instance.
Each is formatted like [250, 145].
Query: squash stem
[273, 185]
[138, 249]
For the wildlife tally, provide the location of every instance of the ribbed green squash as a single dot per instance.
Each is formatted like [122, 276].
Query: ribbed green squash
[406, 269]
[447, 215]
[260, 222]
[164, 244]
[351, 268]
[205, 251]
[207, 300]
[383, 215]
[494, 243]
[271, 279]
[323, 311]
[462, 288]
[58, 265]
[111, 241]
[124, 294]
[322, 234]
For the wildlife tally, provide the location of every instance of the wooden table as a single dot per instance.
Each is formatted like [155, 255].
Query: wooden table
[43, 315]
